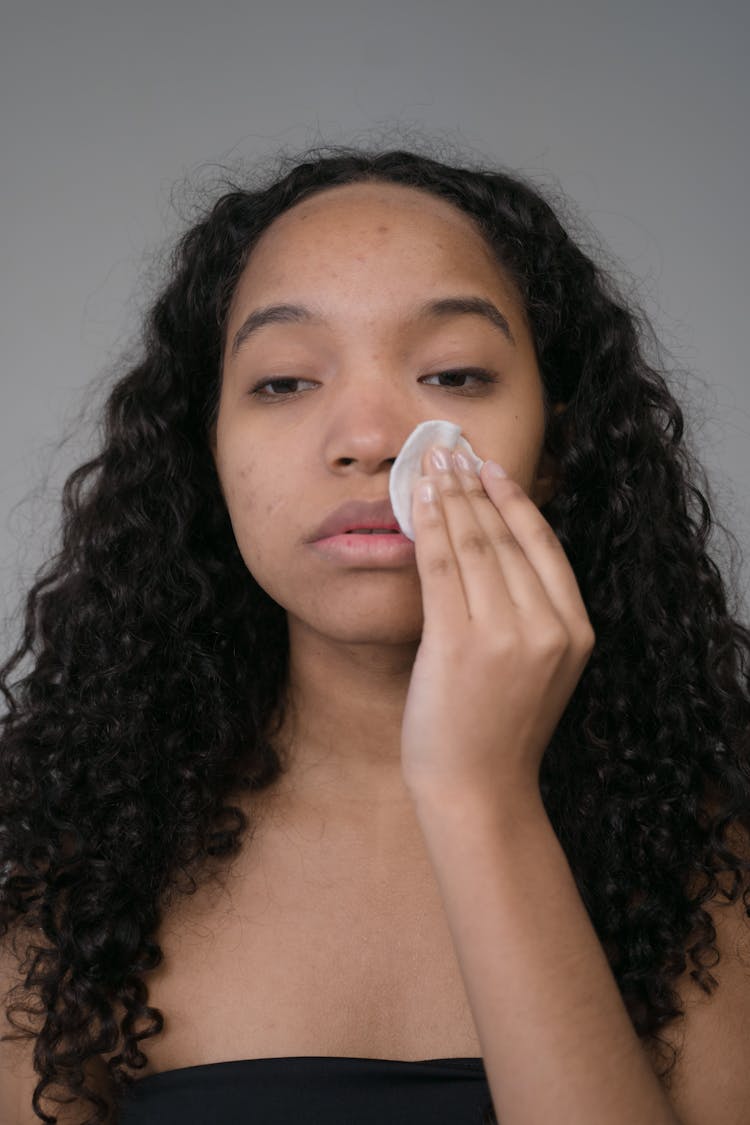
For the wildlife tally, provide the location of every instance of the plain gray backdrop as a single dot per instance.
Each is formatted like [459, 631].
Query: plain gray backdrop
[638, 111]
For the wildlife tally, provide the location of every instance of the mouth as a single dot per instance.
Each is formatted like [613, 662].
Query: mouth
[358, 517]
[374, 547]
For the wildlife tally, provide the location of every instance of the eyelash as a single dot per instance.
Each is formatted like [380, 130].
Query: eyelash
[484, 377]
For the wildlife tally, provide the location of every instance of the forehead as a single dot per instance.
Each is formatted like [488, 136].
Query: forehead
[377, 201]
[355, 230]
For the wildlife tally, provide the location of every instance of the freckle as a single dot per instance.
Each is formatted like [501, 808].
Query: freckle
[383, 230]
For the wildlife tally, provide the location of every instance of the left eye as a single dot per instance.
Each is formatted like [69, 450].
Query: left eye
[465, 373]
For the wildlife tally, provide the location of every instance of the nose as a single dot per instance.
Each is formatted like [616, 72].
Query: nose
[367, 426]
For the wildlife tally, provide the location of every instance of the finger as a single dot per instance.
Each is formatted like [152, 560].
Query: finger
[525, 589]
[443, 592]
[541, 552]
[486, 595]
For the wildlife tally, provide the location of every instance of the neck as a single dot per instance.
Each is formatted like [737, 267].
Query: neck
[341, 737]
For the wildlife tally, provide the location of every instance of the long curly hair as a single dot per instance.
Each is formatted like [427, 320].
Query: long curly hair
[158, 664]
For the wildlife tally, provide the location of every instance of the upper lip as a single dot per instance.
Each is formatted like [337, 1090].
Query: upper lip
[355, 514]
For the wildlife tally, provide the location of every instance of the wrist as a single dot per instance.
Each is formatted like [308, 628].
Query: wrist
[510, 808]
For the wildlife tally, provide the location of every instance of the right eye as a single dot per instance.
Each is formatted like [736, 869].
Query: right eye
[275, 383]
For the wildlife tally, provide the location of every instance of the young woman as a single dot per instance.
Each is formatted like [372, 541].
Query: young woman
[301, 828]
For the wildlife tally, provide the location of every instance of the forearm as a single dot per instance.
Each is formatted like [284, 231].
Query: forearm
[557, 1041]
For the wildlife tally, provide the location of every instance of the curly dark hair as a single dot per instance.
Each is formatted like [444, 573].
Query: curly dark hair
[159, 665]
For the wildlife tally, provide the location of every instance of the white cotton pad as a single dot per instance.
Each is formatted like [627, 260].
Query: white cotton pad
[407, 468]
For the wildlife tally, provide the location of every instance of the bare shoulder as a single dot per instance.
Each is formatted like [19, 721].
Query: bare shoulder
[18, 1079]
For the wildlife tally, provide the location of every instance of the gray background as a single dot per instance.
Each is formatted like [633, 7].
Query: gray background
[636, 110]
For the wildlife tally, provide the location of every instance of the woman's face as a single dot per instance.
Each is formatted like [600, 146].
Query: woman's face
[362, 259]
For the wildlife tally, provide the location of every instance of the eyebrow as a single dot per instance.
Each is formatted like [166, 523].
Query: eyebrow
[430, 310]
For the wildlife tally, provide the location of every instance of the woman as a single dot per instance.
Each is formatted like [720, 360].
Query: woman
[457, 818]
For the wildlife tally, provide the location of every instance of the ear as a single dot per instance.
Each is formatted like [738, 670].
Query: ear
[548, 478]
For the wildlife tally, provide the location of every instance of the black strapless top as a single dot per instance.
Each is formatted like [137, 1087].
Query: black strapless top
[312, 1089]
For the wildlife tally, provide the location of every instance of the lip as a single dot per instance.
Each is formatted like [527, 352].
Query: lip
[358, 514]
[367, 550]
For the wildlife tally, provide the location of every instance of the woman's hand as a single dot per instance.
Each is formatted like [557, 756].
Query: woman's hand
[505, 638]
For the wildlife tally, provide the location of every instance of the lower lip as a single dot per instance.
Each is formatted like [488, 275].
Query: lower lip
[377, 550]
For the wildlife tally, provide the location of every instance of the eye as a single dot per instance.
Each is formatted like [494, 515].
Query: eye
[479, 373]
[275, 383]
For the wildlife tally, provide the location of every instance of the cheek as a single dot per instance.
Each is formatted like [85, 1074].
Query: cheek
[259, 510]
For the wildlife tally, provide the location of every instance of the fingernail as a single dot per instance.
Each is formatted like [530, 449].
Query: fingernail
[440, 458]
[495, 470]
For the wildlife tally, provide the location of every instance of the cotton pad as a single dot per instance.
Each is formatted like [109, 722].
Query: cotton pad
[407, 468]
